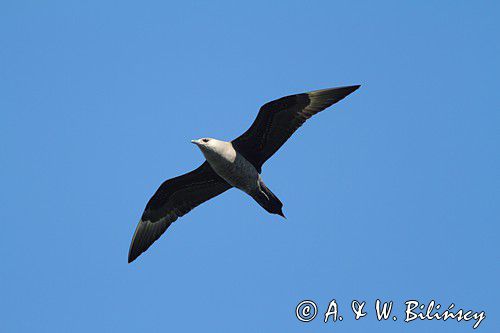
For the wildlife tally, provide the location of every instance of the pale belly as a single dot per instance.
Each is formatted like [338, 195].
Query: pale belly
[237, 171]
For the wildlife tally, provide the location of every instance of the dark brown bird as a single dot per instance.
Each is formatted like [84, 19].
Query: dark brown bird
[237, 163]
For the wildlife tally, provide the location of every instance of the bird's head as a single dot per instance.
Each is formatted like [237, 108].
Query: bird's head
[203, 142]
[208, 145]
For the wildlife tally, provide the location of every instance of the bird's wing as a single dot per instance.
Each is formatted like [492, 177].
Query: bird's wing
[174, 198]
[279, 119]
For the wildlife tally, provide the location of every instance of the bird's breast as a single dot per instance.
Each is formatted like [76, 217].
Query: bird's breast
[235, 169]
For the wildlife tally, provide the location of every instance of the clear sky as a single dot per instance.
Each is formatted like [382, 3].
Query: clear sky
[393, 193]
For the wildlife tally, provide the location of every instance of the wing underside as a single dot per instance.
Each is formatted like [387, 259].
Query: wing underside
[279, 119]
[173, 199]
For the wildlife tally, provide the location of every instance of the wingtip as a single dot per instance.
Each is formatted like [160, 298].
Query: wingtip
[351, 89]
[132, 252]
[346, 90]
[131, 256]
[338, 92]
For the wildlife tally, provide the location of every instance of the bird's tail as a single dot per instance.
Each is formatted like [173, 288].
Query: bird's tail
[268, 200]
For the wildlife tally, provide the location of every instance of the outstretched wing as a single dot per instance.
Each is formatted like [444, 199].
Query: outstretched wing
[279, 119]
[173, 199]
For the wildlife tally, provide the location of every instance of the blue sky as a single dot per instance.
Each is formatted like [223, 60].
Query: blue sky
[391, 194]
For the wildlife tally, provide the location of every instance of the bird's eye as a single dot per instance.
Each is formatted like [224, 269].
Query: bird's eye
[205, 140]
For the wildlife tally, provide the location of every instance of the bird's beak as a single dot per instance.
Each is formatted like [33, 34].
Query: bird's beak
[195, 141]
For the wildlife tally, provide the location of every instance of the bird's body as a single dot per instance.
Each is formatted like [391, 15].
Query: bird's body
[234, 168]
[237, 163]
[229, 164]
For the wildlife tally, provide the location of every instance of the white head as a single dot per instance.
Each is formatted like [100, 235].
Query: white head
[210, 146]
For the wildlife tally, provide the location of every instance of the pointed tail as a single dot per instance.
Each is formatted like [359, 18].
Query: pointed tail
[268, 200]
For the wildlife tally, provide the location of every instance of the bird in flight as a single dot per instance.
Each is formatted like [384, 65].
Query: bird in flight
[236, 163]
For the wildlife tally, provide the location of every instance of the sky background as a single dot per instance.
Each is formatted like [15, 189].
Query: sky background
[393, 193]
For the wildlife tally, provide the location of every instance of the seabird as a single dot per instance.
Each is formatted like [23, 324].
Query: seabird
[236, 163]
